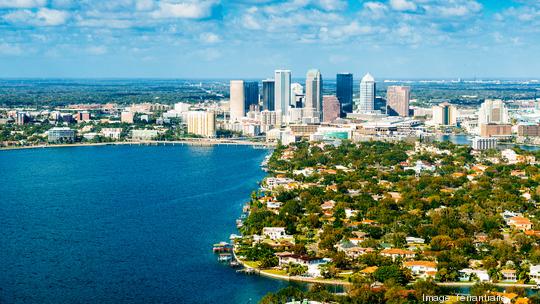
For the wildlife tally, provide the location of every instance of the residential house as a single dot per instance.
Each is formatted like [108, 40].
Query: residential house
[275, 233]
[468, 274]
[396, 253]
[509, 275]
[422, 269]
[534, 273]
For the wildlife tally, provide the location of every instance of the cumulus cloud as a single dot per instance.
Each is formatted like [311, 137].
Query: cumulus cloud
[10, 49]
[96, 50]
[22, 3]
[403, 5]
[209, 38]
[41, 17]
[185, 9]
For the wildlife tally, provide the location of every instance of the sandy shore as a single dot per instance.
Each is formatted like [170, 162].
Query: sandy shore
[191, 142]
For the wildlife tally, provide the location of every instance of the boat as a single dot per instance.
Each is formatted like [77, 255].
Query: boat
[234, 237]
[222, 247]
[239, 223]
[225, 257]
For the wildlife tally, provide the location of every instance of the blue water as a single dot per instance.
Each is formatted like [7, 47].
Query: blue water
[124, 224]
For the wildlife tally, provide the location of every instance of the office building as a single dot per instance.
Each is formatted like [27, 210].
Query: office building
[529, 130]
[493, 111]
[82, 116]
[445, 114]
[495, 130]
[313, 98]
[366, 103]
[251, 96]
[344, 92]
[397, 100]
[21, 118]
[202, 123]
[484, 143]
[331, 108]
[126, 117]
[237, 99]
[268, 101]
[297, 95]
[282, 92]
[61, 135]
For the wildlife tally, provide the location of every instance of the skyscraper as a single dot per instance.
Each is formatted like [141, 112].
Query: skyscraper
[313, 99]
[493, 111]
[445, 114]
[237, 94]
[397, 100]
[268, 94]
[251, 95]
[331, 108]
[297, 95]
[367, 94]
[344, 92]
[282, 92]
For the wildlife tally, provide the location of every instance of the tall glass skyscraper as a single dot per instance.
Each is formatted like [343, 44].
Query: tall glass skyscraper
[251, 94]
[313, 99]
[268, 94]
[344, 92]
[367, 94]
[282, 92]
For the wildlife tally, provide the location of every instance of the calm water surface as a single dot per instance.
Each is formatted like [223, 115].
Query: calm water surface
[125, 224]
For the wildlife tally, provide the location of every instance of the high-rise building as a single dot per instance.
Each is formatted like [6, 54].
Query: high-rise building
[297, 95]
[268, 94]
[445, 114]
[237, 99]
[331, 108]
[397, 100]
[21, 118]
[251, 95]
[493, 111]
[61, 135]
[366, 102]
[344, 92]
[313, 99]
[282, 92]
[202, 123]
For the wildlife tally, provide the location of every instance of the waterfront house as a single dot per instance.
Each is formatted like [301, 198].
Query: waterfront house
[414, 240]
[396, 253]
[275, 233]
[509, 275]
[534, 273]
[422, 269]
[312, 263]
[468, 274]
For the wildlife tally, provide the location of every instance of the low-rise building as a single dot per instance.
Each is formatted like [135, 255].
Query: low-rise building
[396, 253]
[61, 135]
[421, 269]
[467, 274]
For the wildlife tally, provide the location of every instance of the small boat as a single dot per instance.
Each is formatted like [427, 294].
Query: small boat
[234, 237]
[239, 223]
[225, 257]
[222, 247]
[234, 264]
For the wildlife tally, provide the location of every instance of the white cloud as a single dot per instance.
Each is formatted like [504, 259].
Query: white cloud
[403, 5]
[22, 3]
[51, 17]
[96, 50]
[43, 17]
[144, 5]
[10, 49]
[208, 54]
[209, 38]
[332, 5]
[185, 9]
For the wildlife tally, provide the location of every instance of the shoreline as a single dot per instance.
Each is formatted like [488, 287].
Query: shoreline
[189, 142]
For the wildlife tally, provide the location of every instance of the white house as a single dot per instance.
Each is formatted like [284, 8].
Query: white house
[534, 273]
[421, 268]
[466, 274]
[275, 233]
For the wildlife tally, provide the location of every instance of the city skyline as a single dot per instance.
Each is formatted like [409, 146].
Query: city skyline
[245, 39]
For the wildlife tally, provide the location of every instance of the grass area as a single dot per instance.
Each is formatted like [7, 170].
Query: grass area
[276, 271]
[254, 264]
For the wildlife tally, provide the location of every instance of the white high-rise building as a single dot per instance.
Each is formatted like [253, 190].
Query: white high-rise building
[444, 114]
[297, 91]
[493, 111]
[237, 98]
[202, 123]
[313, 100]
[282, 93]
[366, 103]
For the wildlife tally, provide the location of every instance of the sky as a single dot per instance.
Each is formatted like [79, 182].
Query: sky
[252, 38]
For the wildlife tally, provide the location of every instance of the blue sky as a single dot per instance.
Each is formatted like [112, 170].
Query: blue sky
[251, 38]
